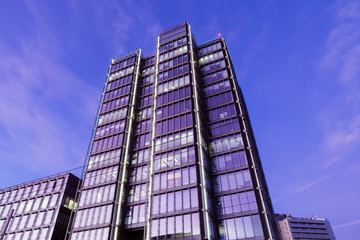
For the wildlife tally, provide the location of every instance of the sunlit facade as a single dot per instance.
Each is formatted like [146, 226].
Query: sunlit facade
[172, 154]
[38, 210]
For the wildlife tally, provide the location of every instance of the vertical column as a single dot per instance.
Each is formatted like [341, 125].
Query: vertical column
[201, 144]
[101, 195]
[261, 191]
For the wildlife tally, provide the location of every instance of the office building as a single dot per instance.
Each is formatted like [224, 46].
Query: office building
[172, 154]
[313, 228]
[37, 210]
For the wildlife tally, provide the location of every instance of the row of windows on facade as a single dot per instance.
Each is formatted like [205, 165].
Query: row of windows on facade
[93, 234]
[101, 176]
[173, 109]
[109, 129]
[165, 111]
[103, 159]
[29, 221]
[93, 216]
[121, 73]
[212, 67]
[180, 70]
[174, 178]
[210, 58]
[172, 34]
[236, 203]
[173, 44]
[30, 205]
[117, 92]
[174, 158]
[119, 102]
[175, 226]
[173, 62]
[107, 143]
[174, 140]
[97, 195]
[232, 181]
[241, 228]
[181, 156]
[224, 127]
[174, 123]
[174, 201]
[211, 48]
[31, 191]
[173, 53]
[119, 82]
[122, 64]
[149, 60]
[174, 95]
[36, 234]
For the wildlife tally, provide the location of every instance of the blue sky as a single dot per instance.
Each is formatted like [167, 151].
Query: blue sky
[296, 61]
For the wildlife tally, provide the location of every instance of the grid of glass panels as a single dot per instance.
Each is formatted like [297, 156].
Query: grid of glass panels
[30, 211]
[139, 169]
[96, 202]
[175, 195]
[231, 177]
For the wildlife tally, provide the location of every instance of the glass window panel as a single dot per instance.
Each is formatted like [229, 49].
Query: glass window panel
[187, 225]
[154, 228]
[178, 226]
[249, 230]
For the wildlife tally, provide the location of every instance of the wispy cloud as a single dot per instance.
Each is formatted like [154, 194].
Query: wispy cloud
[339, 118]
[312, 183]
[348, 224]
[38, 93]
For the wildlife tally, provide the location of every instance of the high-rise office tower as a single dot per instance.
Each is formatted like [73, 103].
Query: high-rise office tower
[172, 154]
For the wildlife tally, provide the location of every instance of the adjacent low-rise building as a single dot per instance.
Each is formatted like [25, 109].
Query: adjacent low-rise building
[39, 209]
[295, 228]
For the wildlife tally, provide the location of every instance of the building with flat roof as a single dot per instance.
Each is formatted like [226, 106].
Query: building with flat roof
[37, 210]
[172, 153]
[295, 228]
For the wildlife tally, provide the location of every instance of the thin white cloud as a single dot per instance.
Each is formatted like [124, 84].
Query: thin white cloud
[348, 224]
[312, 183]
[339, 117]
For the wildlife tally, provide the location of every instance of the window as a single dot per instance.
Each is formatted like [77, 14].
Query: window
[238, 202]
[107, 143]
[174, 140]
[120, 73]
[119, 82]
[225, 182]
[117, 92]
[173, 83]
[221, 112]
[111, 116]
[110, 129]
[104, 158]
[219, 99]
[211, 57]
[174, 158]
[229, 161]
[173, 95]
[212, 67]
[175, 178]
[210, 48]
[175, 123]
[173, 109]
[226, 143]
[112, 104]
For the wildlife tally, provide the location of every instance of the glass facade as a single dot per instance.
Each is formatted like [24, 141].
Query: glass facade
[38, 210]
[172, 154]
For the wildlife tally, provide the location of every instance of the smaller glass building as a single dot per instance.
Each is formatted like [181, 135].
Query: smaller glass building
[39, 209]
